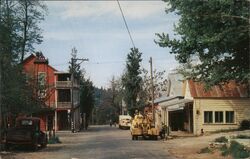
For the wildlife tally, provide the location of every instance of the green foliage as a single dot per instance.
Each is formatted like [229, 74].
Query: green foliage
[15, 95]
[160, 85]
[104, 109]
[242, 137]
[238, 151]
[117, 96]
[205, 150]
[86, 97]
[222, 139]
[224, 150]
[245, 125]
[131, 79]
[213, 36]
[54, 140]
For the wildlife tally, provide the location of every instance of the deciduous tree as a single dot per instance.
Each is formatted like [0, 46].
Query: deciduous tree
[213, 33]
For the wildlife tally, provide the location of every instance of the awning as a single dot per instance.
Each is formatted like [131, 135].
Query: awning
[176, 105]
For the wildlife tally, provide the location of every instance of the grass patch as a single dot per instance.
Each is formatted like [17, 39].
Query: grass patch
[205, 150]
[222, 139]
[242, 137]
[54, 140]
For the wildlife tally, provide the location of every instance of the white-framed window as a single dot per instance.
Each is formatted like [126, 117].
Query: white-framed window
[41, 79]
[230, 116]
[208, 116]
[218, 116]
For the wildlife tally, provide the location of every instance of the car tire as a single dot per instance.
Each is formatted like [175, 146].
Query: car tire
[44, 145]
[7, 146]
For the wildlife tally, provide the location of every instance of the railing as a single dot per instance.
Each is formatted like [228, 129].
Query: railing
[65, 84]
[64, 105]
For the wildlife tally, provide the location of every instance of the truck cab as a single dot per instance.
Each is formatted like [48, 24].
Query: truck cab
[26, 133]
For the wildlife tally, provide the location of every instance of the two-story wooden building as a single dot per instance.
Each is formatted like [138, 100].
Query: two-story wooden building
[55, 90]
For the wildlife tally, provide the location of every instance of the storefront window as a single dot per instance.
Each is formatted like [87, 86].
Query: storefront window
[208, 117]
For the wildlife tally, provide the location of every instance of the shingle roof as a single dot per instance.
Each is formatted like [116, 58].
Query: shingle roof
[231, 89]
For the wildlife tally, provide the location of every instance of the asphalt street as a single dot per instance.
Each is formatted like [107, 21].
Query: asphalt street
[98, 142]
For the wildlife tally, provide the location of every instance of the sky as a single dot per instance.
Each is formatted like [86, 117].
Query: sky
[96, 29]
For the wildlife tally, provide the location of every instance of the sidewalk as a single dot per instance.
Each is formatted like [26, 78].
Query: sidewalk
[188, 147]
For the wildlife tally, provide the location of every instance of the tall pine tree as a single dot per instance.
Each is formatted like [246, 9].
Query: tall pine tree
[131, 79]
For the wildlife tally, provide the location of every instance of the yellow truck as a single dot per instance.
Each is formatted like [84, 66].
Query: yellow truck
[143, 125]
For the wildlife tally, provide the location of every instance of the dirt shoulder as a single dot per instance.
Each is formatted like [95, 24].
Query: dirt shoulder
[189, 147]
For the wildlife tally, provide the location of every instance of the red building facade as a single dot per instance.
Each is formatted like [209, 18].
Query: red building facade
[40, 76]
[56, 91]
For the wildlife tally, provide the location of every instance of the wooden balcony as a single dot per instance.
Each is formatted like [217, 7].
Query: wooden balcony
[65, 84]
[64, 105]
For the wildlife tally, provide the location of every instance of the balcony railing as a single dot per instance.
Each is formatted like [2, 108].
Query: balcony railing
[65, 84]
[64, 105]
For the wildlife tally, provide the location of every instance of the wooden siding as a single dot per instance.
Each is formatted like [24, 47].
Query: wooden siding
[241, 107]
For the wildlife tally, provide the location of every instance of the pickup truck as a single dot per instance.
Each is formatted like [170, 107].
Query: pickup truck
[26, 133]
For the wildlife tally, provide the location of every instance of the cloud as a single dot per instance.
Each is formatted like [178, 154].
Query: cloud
[83, 9]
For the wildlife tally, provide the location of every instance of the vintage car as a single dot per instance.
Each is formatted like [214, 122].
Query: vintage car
[26, 133]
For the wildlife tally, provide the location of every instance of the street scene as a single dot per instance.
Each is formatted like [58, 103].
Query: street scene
[99, 142]
[122, 79]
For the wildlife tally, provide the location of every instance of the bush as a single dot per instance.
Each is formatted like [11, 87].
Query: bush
[238, 151]
[205, 150]
[54, 140]
[245, 125]
[242, 137]
[222, 139]
[225, 150]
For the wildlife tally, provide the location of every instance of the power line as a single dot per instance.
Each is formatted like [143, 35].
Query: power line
[126, 24]
[110, 62]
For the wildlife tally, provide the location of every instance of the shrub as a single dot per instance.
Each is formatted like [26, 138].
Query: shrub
[54, 140]
[238, 151]
[225, 150]
[245, 125]
[222, 139]
[205, 150]
[242, 137]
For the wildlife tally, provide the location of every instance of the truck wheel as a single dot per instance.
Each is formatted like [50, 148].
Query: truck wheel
[44, 145]
[155, 137]
[136, 137]
[34, 146]
[7, 146]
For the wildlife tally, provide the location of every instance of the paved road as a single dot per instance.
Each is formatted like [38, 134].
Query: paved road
[99, 142]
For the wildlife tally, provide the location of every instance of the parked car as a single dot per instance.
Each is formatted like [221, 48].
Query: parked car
[26, 133]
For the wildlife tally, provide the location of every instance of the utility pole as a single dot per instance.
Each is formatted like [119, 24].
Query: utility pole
[152, 87]
[73, 66]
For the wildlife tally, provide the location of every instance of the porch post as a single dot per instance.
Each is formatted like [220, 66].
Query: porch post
[56, 120]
